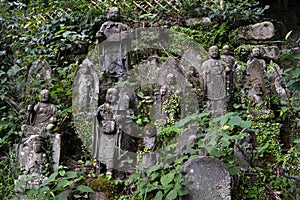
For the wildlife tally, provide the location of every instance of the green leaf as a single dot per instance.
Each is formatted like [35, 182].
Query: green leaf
[158, 196]
[19, 185]
[152, 169]
[171, 195]
[50, 179]
[84, 188]
[62, 172]
[166, 179]
[13, 71]
[296, 73]
[154, 175]
[246, 124]
[61, 197]
[297, 140]
[32, 192]
[182, 192]
[63, 183]
[234, 170]
[70, 175]
[288, 35]
[235, 120]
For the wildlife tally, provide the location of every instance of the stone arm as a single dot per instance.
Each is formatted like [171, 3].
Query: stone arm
[53, 111]
[100, 34]
[30, 114]
[205, 74]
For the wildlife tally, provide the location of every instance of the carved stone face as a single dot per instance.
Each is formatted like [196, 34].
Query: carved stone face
[37, 146]
[213, 52]
[226, 50]
[170, 79]
[256, 52]
[257, 88]
[114, 14]
[45, 96]
[163, 90]
[111, 95]
[84, 69]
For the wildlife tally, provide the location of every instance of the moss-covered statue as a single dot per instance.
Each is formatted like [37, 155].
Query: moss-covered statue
[39, 144]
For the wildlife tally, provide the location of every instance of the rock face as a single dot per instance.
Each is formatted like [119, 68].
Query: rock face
[211, 179]
[257, 32]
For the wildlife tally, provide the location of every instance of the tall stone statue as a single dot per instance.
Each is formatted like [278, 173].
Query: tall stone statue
[85, 94]
[214, 76]
[37, 137]
[116, 45]
[230, 64]
[256, 73]
[105, 140]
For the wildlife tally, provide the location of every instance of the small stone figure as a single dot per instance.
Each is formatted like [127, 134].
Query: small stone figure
[169, 94]
[85, 87]
[149, 157]
[39, 70]
[197, 83]
[255, 93]
[116, 45]
[230, 64]
[256, 72]
[43, 114]
[214, 75]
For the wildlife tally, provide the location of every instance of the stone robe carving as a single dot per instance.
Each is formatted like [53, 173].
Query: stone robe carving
[214, 75]
[116, 45]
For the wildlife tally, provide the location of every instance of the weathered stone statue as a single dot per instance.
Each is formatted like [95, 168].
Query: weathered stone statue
[39, 70]
[105, 140]
[169, 98]
[230, 64]
[116, 45]
[39, 145]
[197, 83]
[42, 116]
[214, 76]
[85, 94]
[256, 72]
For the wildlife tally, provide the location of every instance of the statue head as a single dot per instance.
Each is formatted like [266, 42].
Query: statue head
[256, 52]
[45, 96]
[163, 90]
[37, 145]
[84, 68]
[257, 88]
[170, 79]
[114, 14]
[191, 71]
[226, 50]
[111, 95]
[213, 52]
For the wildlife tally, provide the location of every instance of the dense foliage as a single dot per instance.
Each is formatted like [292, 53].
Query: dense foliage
[62, 32]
